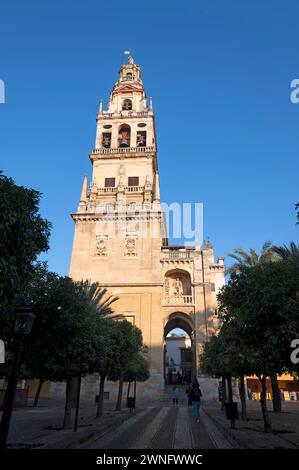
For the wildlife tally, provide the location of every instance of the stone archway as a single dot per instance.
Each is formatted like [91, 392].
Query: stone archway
[179, 366]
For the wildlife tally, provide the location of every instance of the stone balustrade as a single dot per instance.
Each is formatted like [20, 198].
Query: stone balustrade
[178, 300]
[105, 151]
[176, 254]
[124, 113]
[107, 190]
[134, 189]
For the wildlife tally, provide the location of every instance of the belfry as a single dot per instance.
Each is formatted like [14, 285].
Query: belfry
[121, 239]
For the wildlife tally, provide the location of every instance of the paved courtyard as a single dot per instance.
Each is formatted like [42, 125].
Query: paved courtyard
[162, 427]
[155, 425]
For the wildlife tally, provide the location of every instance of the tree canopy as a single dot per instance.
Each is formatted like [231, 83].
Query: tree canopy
[24, 234]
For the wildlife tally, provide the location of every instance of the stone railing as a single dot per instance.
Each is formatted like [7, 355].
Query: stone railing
[114, 189]
[178, 300]
[104, 151]
[175, 255]
[107, 190]
[134, 189]
[124, 113]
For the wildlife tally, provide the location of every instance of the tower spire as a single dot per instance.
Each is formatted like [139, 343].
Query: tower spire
[83, 196]
[157, 188]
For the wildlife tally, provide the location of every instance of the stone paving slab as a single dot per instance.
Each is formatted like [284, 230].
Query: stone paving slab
[183, 434]
[250, 434]
[203, 435]
[164, 438]
[41, 427]
[122, 436]
[145, 439]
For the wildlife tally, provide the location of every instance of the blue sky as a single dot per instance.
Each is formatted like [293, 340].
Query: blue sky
[219, 72]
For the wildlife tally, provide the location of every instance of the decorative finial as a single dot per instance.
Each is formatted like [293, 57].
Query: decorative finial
[101, 105]
[130, 57]
[206, 245]
[151, 103]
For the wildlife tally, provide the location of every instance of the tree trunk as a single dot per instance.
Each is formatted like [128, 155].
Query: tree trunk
[68, 405]
[120, 394]
[135, 385]
[41, 382]
[128, 391]
[223, 400]
[229, 388]
[242, 398]
[267, 423]
[230, 399]
[276, 397]
[101, 396]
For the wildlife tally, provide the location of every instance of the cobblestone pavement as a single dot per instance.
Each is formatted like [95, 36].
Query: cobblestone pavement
[41, 426]
[154, 425]
[162, 427]
[250, 434]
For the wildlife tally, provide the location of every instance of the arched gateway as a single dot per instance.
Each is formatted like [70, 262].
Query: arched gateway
[179, 350]
[120, 234]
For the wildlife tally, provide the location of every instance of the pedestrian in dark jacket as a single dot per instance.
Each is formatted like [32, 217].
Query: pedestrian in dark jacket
[195, 397]
[188, 393]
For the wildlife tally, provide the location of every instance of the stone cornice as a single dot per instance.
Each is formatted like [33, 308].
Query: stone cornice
[217, 267]
[122, 153]
[90, 217]
[173, 262]
[132, 284]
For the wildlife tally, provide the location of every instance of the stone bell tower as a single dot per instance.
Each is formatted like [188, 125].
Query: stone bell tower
[119, 227]
[120, 236]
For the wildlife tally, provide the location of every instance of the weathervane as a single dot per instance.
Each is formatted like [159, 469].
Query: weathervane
[130, 58]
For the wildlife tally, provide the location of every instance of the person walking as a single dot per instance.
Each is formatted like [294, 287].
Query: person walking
[188, 393]
[175, 394]
[195, 397]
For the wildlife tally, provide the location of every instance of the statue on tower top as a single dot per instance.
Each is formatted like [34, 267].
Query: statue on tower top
[130, 57]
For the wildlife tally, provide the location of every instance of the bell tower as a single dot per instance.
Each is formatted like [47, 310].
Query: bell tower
[120, 234]
[126, 142]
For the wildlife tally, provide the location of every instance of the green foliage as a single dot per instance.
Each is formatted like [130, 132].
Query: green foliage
[24, 234]
[260, 307]
[297, 209]
[137, 369]
[285, 252]
[98, 298]
[68, 315]
[104, 345]
[245, 260]
[64, 324]
[126, 343]
[225, 354]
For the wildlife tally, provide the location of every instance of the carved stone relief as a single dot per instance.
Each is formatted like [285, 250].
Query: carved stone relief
[131, 246]
[101, 245]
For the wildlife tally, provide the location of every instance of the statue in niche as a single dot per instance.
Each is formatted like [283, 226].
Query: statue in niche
[177, 287]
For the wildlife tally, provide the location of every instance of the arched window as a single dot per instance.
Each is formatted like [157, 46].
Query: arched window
[141, 139]
[106, 140]
[129, 76]
[124, 136]
[127, 105]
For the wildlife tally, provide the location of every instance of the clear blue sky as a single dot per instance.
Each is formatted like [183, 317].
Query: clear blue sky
[219, 73]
